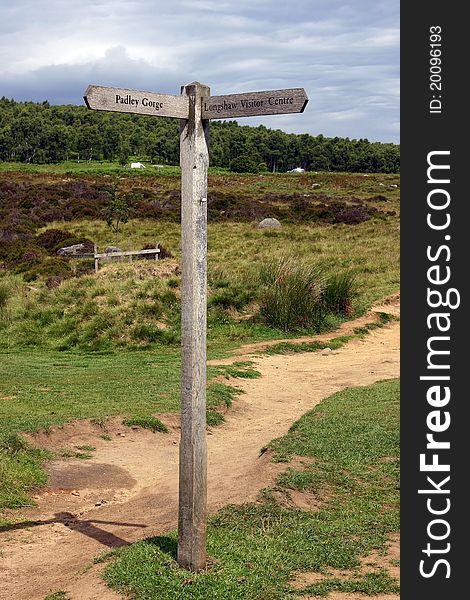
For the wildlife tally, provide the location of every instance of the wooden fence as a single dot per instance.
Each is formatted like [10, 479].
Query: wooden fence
[97, 256]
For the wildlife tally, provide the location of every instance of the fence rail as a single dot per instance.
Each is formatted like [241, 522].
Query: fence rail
[97, 256]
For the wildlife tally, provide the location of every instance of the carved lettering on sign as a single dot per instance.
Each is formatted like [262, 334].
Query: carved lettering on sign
[253, 104]
[133, 101]
[249, 104]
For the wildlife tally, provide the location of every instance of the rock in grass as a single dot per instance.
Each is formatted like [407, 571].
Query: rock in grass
[71, 250]
[269, 223]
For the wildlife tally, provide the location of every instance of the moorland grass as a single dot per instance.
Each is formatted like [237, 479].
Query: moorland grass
[340, 183]
[129, 306]
[299, 296]
[369, 250]
[350, 446]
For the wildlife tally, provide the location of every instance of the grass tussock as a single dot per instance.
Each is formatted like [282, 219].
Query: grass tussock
[20, 470]
[297, 295]
[147, 422]
[291, 298]
[339, 293]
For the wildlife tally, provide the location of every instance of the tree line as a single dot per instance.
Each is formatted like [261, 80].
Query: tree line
[42, 133]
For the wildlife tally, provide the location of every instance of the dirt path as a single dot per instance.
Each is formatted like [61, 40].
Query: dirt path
[128, 490]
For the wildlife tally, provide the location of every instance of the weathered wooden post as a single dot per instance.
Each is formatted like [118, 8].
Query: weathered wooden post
[194, 160]
[194, 107]
[95, 252]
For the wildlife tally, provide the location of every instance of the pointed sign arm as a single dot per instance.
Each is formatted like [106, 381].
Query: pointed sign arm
[98, 97]
[252, 104]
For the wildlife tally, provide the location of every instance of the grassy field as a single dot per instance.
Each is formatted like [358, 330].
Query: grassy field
[137, 305]
[63, 343]
[235, 250]
[39, 390]
[257, 549]
[340, 223]
[86, 167]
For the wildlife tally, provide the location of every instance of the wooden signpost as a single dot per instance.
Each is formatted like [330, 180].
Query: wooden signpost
[194, 107]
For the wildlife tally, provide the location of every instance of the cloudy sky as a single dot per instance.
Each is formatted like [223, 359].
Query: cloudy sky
[345, 54]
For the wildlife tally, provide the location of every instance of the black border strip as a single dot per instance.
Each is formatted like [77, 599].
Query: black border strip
[423, 132]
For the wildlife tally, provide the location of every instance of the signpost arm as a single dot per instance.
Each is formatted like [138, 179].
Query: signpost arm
[194, 159]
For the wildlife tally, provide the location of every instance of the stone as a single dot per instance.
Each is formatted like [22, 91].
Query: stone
[71, 250]
[269, 223]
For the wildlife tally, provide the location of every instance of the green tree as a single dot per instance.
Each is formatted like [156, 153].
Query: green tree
[243, 164]
[37, 132]
[117, 214]
[123, 153]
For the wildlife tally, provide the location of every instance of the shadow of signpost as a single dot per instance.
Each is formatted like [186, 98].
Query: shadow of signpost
[86, 527]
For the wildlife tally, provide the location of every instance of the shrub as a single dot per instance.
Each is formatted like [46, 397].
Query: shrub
[378, 198]
[350, 215]
[11, 251]
[292, 295]
[32, 256]
[51, 267]
[53, 239]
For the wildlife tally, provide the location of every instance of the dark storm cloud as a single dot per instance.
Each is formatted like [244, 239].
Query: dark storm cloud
[65, 84]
